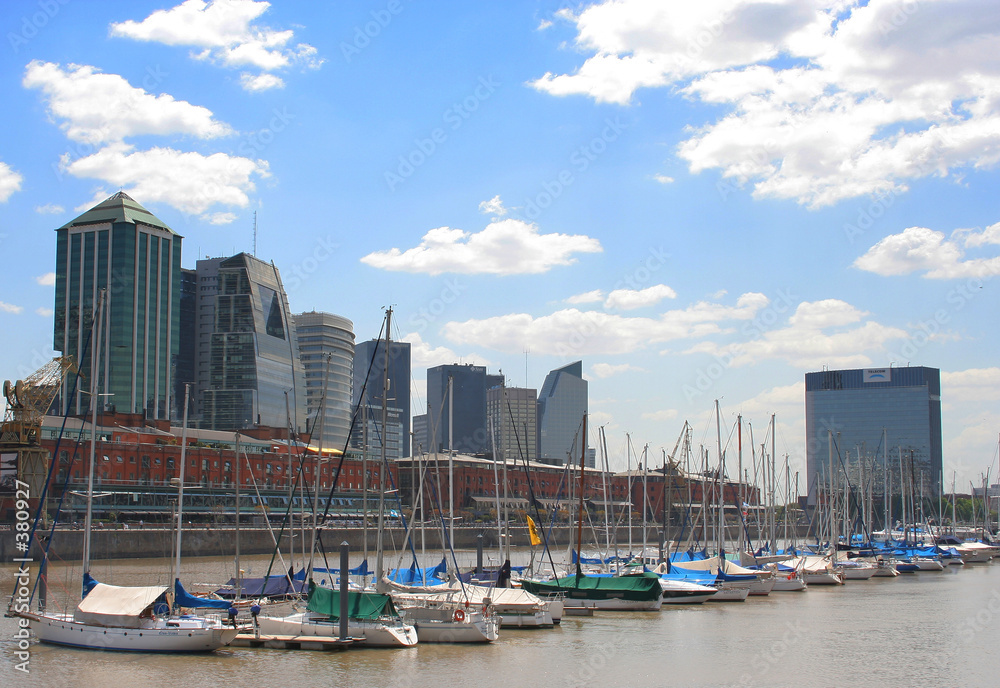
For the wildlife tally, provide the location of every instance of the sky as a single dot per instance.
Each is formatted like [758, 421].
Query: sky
[701, 201]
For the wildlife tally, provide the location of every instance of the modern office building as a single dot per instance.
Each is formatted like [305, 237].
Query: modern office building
[255, 376]
[370, 364]
[121, 247]
[854, 407]
[419, 437]
[468, 434]
[326, 349]
[562, 403]
[513, 412]
[187, 334]
[206, 290]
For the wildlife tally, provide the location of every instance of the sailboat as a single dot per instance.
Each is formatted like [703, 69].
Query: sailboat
[138, 619]
[633, 593]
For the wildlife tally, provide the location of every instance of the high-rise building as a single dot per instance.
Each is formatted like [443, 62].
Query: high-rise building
[324, 336]
[420, 439]
[853, 407]
[370, 363]
[469, 434]
[562, 403]
[123, 248]
[513, 412]
[206, 290]
[255, 376]
[187, 333]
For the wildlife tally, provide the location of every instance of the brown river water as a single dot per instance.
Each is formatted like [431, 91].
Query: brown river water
[923, 629]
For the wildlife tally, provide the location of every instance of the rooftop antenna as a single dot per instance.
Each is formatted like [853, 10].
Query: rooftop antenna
[255, 234]
[526, 352]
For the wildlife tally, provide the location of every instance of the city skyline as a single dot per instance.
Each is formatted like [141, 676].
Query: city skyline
[709, 208]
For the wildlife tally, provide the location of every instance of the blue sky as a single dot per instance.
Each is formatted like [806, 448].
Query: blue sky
[700, 202]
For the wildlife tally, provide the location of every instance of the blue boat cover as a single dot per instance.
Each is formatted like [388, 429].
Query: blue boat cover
[420, 576]
[182, 598]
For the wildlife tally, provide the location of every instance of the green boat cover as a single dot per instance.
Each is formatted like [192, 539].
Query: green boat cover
[633, 588]
[360, 605]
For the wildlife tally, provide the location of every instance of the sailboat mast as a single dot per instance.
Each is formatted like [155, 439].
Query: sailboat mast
[319, 471]
[379, 563]
[239, 575]
[579, 515]
[180, 484]
[95, 361]
[451, 460]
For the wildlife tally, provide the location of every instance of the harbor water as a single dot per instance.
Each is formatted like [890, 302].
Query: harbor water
[928, 628]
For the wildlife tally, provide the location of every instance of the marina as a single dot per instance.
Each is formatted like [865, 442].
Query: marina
[935, 627]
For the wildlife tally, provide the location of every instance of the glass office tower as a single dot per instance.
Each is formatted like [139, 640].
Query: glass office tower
[120, 246]
[854, 406]
[322, 336]
[469, 435]
[255, 376]
[562, 403]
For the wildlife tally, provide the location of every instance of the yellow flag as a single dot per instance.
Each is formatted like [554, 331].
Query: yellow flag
[533, 533]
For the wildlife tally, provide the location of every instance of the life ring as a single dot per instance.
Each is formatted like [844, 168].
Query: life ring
[459, 615]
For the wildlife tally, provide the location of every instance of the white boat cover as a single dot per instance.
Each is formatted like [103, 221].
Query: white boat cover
[112, 605]
[454, 594]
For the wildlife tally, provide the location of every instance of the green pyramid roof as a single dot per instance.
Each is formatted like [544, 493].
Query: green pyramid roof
[118, 208]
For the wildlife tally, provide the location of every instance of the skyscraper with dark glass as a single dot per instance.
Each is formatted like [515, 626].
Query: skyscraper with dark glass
[562, 403]
[255, 376]
[468, 434]
[326, 349]
[853, 407]
[120, 246]
[370, 362]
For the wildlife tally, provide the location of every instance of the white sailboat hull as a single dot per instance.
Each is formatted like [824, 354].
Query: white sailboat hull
[375, 633]
[188, 635]
[791, 583]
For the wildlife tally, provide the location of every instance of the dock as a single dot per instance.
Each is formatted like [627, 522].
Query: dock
[296, 642]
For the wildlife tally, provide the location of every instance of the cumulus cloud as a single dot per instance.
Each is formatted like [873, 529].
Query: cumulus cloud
[190, 182]
[494, 206]
[630, 299]
[44, 312]
[828, 332]
[10, 308]
[260, 82]
[47, 280]
[10, 181]
[822, 101]
[663, 179]
[605, 370]
[423, 355]
[219, 218]
[586, 297]
[972, 385]
[504, 247]
[919, 249]
[225, 32]
[49, 209]
[96, 108]
[662, 416]
[573, 332]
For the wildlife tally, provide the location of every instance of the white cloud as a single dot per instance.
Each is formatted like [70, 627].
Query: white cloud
[10, 308]
[604, 370]
[423, 355]
[663, 179]
[49, 209]
[630, 299]
[494, 206]
[10, 182]
[572, 333]
[543, 24]
[823, 100]
[660, 416]
[828, 332]
[47, 280]
[190, 182]
[219, 218]
[44, 312]
[224, 32]
[260, 82]
[586, 297]
[504, 247]
[97, 109]
[970, 386]
[918, 249]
